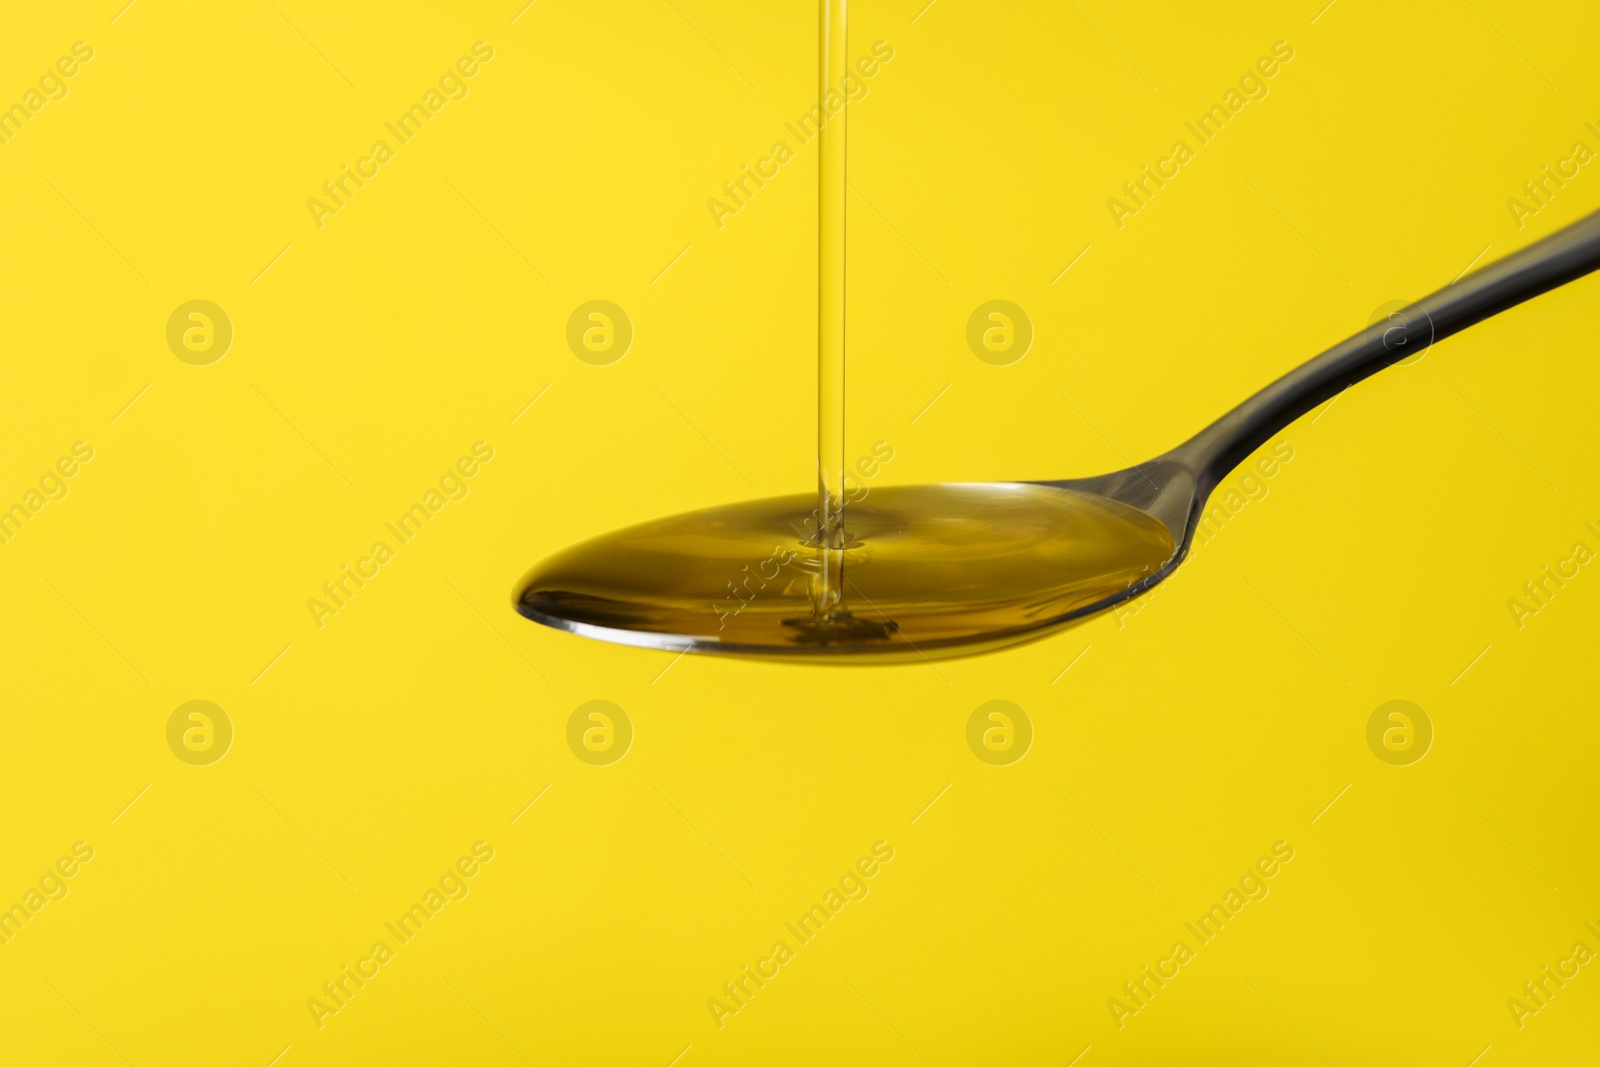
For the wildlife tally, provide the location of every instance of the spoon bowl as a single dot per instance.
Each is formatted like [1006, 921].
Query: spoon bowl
[929, 571]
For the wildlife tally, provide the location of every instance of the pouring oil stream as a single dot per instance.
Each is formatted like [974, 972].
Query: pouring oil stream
[833, 65]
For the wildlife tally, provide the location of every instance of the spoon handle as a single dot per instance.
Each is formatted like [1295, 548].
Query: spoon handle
[1567, 254]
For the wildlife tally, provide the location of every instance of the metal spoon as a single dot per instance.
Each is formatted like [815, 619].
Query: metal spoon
[954, 569]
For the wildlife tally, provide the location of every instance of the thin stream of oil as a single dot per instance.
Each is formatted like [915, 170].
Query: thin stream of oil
[832, 176]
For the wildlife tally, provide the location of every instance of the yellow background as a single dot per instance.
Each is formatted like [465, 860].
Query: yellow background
[370, 753]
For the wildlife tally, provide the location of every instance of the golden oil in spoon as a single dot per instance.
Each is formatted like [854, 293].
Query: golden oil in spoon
[902, 573]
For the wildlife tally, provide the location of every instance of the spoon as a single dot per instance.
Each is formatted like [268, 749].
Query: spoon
[945, 570]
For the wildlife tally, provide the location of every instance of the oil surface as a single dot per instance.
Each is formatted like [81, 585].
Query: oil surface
[929, 570]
